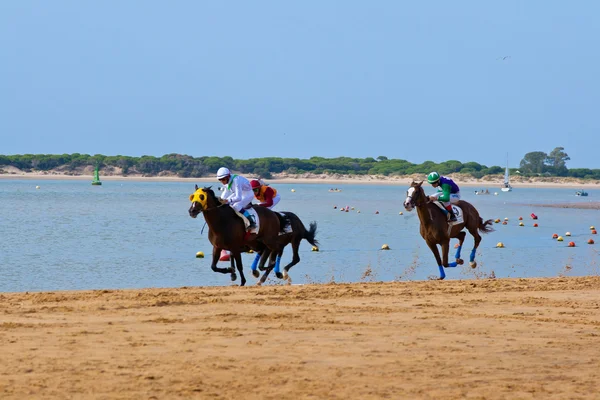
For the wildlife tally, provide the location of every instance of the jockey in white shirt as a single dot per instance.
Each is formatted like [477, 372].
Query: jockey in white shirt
[237, 192]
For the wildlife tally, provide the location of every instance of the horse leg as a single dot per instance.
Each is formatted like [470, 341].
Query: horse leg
[445, 250]
[263, 259]
[254, 265]
[268, 270]
[461, 239]
[277, 264]
[238, 261]
[232, 267]
[215, 260]
[295, 259]
[477, 239]
[436, 254]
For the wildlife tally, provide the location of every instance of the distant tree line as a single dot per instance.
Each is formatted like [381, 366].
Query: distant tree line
[533, 164]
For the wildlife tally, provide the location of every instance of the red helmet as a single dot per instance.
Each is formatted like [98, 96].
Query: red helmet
[255, 184]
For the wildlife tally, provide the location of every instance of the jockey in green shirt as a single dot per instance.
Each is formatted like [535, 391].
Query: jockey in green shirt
[448, 192]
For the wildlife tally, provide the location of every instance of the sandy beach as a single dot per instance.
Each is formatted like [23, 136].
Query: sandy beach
[480, 339]
[491, 183]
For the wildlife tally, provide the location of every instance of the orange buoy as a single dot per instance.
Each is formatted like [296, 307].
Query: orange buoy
[376, 212]
[594, 232]
[571, 244]
[554, 236]
[520, 218]
[224, 256]
[535, 225]
[591, 241]
[504, 223]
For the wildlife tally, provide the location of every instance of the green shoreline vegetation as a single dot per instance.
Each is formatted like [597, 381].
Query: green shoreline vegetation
[533, 164]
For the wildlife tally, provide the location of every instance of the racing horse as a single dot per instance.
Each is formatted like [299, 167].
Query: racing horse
[436, 231]
[226, 230]
[298, 232]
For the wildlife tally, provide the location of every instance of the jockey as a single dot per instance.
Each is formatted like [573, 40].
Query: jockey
[448, 192]
[237, 193]
[267, 196]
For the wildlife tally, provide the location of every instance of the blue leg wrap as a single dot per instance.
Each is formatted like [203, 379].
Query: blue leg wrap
[442, 273]
[277, 262]
[452, 264]
[458, 252]
[472, 258]
[254, 265]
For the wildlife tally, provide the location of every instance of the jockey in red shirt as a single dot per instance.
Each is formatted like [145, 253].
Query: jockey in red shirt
[267, 196]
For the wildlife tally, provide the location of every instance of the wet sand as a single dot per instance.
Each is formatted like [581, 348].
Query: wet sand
[492, 339]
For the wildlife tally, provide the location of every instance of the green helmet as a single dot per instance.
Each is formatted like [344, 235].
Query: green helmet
[433, 177]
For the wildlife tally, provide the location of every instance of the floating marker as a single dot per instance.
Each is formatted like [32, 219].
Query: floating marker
[591, 241]
[224, 256]
[314, 248]
[594, 232]
[376, 212]
[500, 245]
[535, 225]
[521, 224]
[520, 218]
[199, 254]
[568, 234]
[592, 227]
[571, 244]
[385, 247]
[560, 238]
[37, 187]
[400, 213]
[554, 236]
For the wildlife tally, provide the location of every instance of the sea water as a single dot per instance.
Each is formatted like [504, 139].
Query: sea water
[70, 235]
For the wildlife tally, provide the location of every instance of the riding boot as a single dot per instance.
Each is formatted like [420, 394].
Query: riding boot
[250, 219]
[452, 216]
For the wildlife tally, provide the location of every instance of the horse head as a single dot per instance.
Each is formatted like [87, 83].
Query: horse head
[202, 199]
[415, 196]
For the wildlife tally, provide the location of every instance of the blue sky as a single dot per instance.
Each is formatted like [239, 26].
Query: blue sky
[412, 80]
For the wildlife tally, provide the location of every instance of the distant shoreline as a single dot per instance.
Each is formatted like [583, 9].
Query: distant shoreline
[490, 184]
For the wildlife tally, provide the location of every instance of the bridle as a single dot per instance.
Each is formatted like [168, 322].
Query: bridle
[420, 198]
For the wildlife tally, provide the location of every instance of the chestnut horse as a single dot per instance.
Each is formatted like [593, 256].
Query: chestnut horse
[298, 232]
[435, 229]
[226, 230]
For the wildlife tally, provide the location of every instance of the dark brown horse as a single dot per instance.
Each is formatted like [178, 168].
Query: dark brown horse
[436, 231]
[298, 232]
[226, 230]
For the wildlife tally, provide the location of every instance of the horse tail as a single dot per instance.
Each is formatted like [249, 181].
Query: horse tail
[485, 227]
[311, 233]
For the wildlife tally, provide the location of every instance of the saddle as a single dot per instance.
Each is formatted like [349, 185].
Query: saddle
[457, 211]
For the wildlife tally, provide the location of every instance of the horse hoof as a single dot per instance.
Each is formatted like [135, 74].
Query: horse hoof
[233, 277]
[279, 275]
[473, 264]
[460, 261]
[285, 275]
[255, 273]
[259, 283]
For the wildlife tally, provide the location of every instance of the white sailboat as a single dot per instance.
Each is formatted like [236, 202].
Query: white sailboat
[506, 186]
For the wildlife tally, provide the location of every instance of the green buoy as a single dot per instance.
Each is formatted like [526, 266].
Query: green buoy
[96, 180]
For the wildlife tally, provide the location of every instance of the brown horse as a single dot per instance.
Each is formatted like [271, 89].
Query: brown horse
[226, 230]
[435, 229]
[298, 232]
